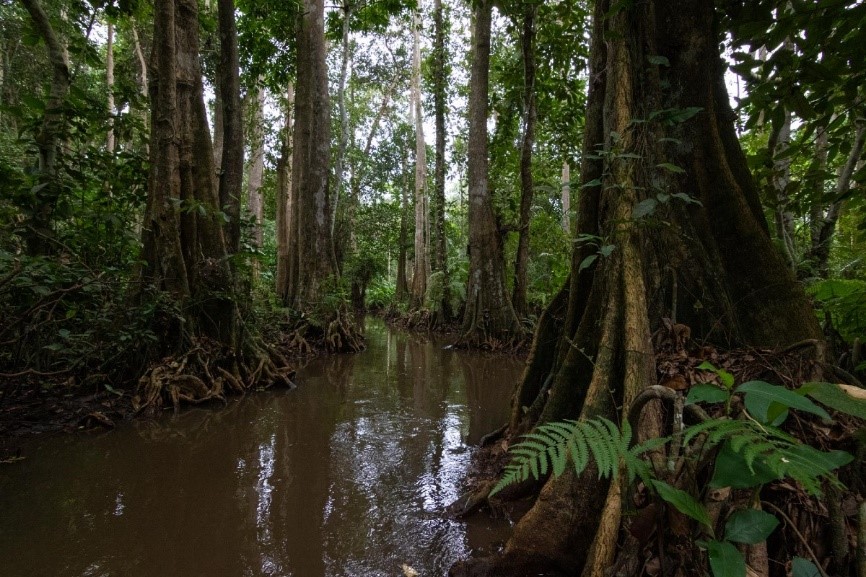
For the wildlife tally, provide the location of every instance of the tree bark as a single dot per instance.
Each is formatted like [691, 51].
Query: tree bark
[284, 205]
[488, 313]
[109, 83]
[231, 174]
[566, 198]
[344, 133]
[255, 202]
[48, 136]
[311, 157]
[402, 289]
[521, 263]
[780, 140]
[440, 97]
[184, 249]
[422, 244]
[734, 287]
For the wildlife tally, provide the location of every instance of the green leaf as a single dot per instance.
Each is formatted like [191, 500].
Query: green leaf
[804, 568]
[607, 250]
[643, 208]
[732, 470]
[684, 503]
[835, 397]
[726, 378]
[671, 167]
[587, 262]
[750, 526]
[726, 560]
[707, 393]
[759, 397]
[658, 60]
[591, 183]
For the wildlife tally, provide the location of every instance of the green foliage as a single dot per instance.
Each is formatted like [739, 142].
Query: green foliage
[845, 301]
[552, 445]
[752, 451]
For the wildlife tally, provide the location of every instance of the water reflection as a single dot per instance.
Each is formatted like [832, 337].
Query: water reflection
[344, 476]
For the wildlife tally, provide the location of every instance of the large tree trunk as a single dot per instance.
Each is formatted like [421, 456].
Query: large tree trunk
[284, 206]
[442, 309]
[231, 174]
[521, 263]
[313, 258]
[566, 198]
[402, 289]
[422, 265]
[39, 233]
[592, 353]
[109, 84]
[184, 250]
[488, 311]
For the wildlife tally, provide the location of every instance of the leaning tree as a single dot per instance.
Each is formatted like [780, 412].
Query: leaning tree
[185, 256]
[673, 228]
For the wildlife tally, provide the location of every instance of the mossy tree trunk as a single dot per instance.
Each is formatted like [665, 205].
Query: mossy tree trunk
[231, 173]
[488, 313]
[712, 260]
[442, 309]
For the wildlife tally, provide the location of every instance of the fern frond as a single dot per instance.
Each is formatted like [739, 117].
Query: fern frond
[552, 445]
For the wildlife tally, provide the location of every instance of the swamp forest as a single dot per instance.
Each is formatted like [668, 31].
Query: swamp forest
[426, 288]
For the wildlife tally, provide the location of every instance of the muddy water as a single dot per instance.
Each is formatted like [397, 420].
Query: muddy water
[344, 476]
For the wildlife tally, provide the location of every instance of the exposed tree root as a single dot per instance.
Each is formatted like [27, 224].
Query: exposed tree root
[208, 372]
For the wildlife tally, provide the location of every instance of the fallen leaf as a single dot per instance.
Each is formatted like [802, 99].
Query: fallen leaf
[409, 572]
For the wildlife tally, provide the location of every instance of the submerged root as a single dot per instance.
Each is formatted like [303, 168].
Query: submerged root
[207, 372]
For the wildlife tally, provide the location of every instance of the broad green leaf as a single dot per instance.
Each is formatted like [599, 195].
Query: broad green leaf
[835, 397]
[760, 395]
[607, 250]
[587, 262]
[707, 393]
[804, 568]
[750, 526]
[658, 60]
[725, 560]
[732, 470]
[684, 503]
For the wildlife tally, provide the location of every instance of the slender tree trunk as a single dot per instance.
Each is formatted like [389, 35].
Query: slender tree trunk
[255, 201]
[422, 265]
[48, 137]
[344, 134]
[824, 226]
[488, 309]
[592, 353]
[109, 83]
[566, 198]
[521, 264]
[231, 173]
[780, 140]
[284, 206]
[218, 128]
[440, 97]
[402, 290]
[311, 158]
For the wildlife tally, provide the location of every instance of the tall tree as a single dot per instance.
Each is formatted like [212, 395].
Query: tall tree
[521, 263]
[310, 224]
[442, 309]
[284, 206]
[231, 173]
[592, 352]
[488, 308]
[255, 176]
[48, 136]
[421, 269]
[184, 248]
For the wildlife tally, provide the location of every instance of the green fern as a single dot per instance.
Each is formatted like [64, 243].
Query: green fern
[782, 454]
[552, 445]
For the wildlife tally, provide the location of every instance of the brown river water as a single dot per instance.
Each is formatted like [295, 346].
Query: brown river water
[345, 476]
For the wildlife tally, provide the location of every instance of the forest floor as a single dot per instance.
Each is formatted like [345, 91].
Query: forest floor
[809, 520]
